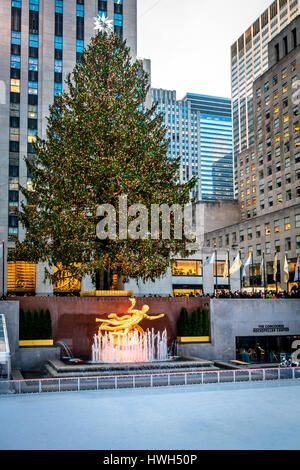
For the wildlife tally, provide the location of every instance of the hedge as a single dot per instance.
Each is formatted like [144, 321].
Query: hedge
[35, 325]
[195, 325]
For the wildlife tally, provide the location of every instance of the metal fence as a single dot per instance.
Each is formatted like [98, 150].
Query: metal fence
[71, 384]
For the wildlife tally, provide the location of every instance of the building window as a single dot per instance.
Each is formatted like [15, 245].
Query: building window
[287, 244]
[220, 268]
[277, 246]
[288, 195]
[15, 86]
[187, 268]
[267, 229]
[287, 225]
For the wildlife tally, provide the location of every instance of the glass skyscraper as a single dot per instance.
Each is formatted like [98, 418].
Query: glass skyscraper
[199, 129]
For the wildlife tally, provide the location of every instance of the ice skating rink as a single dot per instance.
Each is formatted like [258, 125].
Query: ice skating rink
[224, 416]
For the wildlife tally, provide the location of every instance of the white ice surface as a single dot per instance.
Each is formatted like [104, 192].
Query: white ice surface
[227, 416]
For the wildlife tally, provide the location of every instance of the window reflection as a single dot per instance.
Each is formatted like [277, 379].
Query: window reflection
[187, 268]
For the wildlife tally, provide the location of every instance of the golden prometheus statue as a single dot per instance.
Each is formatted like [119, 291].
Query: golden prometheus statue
[126, 324]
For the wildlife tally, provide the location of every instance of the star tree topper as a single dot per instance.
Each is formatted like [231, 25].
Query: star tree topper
[103, 24]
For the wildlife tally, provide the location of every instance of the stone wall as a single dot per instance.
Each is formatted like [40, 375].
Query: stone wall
[74, 318]
[34, 358]
[238, 317]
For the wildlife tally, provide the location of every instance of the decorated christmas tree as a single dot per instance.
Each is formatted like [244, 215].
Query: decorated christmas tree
[101, 143]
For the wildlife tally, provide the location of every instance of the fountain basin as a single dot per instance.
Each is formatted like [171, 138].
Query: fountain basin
[57, 368]
[134, 347]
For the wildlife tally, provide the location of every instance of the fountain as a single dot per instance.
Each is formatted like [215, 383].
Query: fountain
[134, 347]
[122, 347]
[121, 339]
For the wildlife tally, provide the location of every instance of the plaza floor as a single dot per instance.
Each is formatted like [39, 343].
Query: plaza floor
[224, 416]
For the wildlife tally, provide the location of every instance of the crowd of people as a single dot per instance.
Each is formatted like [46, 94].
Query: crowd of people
[268, 294]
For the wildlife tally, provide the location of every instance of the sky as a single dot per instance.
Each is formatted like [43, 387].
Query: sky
[189, 41]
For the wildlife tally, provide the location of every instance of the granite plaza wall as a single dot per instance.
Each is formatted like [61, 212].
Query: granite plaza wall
[244, 317]
[74, 318]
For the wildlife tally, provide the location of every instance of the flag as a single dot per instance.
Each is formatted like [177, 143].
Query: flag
[210, 259]
[249, 260]
[296, 278]
[225, 272]
[275, 268]
[236, 265]
[286, 273]
[243, 272]
[262, 268]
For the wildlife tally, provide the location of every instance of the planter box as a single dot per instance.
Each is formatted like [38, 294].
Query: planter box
[193, 339]
[36, 342]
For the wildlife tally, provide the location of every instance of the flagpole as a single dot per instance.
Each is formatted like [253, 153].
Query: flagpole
[276, 275]
[252, 272]
[241, 275]
[264, 266]
[216, 262]
[288, 279]
[229, 271]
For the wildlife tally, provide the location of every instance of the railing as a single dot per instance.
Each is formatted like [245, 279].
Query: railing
[66, 384]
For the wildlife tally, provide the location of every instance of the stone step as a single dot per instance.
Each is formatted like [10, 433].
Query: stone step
[59, 369]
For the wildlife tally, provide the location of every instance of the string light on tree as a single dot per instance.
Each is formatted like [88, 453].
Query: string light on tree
[101, 143]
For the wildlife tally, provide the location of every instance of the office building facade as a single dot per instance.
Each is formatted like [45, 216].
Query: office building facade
[249, 60]
[268, 172]
[199, 129]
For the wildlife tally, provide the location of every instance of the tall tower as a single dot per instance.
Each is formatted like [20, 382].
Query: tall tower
[249, 60]
[41, 41]
[200, 132]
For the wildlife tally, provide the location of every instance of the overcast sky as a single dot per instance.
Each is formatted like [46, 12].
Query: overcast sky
[188, 41]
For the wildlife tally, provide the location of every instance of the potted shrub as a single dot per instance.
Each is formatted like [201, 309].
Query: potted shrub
[35, 328]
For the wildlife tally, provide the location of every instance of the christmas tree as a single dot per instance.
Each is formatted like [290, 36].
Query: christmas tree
[101, 143]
